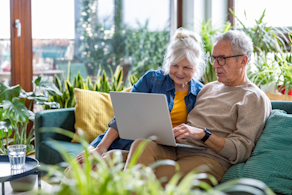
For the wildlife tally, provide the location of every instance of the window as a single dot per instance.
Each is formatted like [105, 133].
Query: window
[53, 33]
[100, 33]
[278, 13]
[5, 59]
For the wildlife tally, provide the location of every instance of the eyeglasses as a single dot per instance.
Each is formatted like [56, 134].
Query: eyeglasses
[220, 59]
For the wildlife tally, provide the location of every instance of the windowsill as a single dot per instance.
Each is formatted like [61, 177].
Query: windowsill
[279, 97]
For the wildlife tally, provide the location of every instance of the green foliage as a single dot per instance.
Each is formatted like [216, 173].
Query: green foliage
[133, 79]
[208, 34]
[147, 49]
[265, 70]
[15, 116]
[96, 176]
[96, 43]
[285, 77]
[106, 46]
[264, 38]
[103, 84]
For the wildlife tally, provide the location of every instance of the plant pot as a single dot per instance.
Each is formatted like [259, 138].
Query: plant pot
[268, 88]
[284, 90]
[23, 184]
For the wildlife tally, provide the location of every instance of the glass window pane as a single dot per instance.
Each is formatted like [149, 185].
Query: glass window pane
[99, 35]
[125, 33]
[157, 13]
[5, 60]
[278, 14]
[53, 34]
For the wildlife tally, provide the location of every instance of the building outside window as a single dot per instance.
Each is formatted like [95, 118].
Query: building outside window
[98, 35]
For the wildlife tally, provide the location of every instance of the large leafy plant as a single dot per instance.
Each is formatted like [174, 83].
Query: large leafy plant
[15, 116]
[208, 34]
[96, 176]
[265, 38]
[265, 70]
[285, 77]
[103, 83]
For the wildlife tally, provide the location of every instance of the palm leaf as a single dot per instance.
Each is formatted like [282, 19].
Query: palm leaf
[47, 86]
[7, 93]
[15, 110]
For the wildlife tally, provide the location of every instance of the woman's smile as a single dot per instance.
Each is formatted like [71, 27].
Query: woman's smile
[180, 77]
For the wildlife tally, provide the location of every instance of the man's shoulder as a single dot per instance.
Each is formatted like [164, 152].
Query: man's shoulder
[213, 84]
[254, 90]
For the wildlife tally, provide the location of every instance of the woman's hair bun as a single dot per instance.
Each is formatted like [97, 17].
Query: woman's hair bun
[182, 33]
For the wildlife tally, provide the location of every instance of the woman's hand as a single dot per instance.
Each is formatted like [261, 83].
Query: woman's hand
[79, 158]
[183, 130]
[104, 144]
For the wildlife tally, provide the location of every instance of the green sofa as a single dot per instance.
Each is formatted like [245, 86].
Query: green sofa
[47, 151]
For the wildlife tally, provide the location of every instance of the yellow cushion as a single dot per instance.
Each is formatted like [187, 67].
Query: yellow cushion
[93, 112]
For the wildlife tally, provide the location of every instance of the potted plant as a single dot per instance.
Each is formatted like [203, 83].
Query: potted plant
[103, 84]
[96, 176]
[285, 81]
[15, 117]
[264, 37]
[264, 73]
[208, 34]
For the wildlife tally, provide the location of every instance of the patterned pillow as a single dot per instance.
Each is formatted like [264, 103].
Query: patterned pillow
[271, 161]
[93, 112]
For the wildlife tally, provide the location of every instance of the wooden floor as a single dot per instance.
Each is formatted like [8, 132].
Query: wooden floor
[44, 186]
[8, 190]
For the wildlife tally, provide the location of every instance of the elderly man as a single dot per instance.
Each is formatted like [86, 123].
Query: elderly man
[228, 117]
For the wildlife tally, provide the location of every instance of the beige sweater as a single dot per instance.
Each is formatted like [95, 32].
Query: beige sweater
[236, 113]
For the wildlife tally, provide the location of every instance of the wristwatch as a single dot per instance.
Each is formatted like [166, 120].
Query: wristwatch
[208, 133]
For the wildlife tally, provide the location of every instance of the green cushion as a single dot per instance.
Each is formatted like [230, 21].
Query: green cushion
[271, 161]
[49, 151]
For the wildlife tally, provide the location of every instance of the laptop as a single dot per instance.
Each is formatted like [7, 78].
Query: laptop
[141, 115]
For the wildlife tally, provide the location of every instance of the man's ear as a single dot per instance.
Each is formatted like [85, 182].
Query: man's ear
[244, 60]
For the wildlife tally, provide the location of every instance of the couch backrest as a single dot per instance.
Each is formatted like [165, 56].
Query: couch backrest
[282, 105]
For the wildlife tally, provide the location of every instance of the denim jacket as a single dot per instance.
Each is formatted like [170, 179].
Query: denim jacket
[154, 81]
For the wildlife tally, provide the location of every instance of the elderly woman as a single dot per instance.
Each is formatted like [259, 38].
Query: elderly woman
[228, 118]
[183, 64]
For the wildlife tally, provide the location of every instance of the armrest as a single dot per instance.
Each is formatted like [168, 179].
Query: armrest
[63, 118]
[282, 105]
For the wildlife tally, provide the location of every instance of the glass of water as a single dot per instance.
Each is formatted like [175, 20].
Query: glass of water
[17, 155]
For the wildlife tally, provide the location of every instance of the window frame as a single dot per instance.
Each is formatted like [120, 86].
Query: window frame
[21, 47]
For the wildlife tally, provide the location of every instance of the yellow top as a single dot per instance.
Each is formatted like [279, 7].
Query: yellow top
[179, 111]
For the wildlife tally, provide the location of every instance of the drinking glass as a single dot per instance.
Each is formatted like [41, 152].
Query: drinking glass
[17, 155]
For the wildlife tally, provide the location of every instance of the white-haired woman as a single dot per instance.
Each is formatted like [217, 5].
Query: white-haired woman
[184, 64]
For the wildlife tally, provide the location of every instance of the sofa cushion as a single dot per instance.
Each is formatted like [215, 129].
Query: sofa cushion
[51, 151]
[93, 112]
[271, 159]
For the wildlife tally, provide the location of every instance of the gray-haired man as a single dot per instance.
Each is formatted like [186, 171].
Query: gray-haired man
[227, 119]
